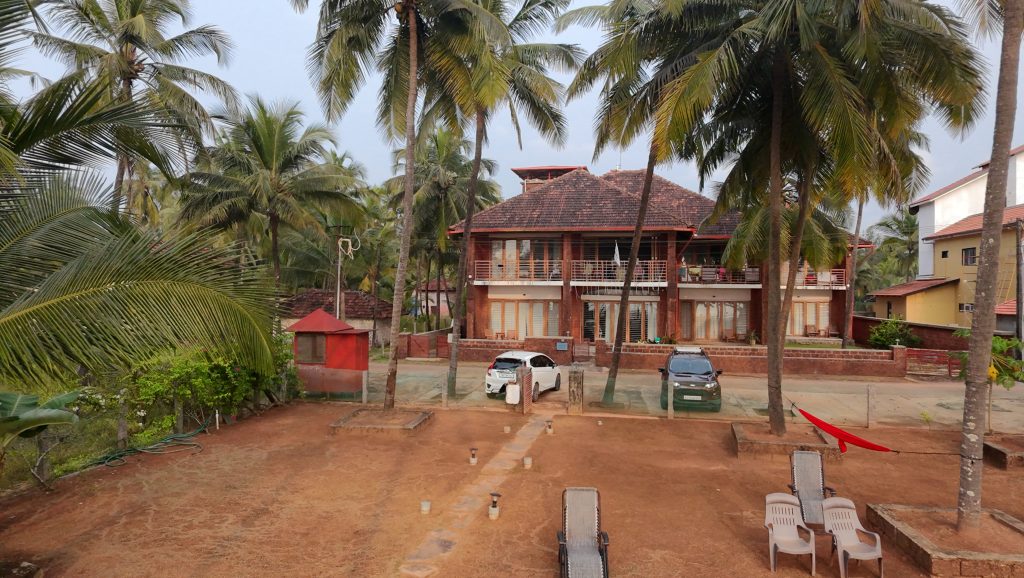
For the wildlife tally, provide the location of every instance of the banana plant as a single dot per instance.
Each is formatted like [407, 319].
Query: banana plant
[23, 416]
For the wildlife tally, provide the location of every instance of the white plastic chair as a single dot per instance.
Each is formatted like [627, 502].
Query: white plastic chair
[783, 519]
[842, 522]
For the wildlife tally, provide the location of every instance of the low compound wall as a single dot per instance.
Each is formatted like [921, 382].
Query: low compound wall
[488, 349]
[932, 336]
[732, 359]
[429, 345]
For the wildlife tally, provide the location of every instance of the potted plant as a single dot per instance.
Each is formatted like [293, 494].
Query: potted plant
[752, 338]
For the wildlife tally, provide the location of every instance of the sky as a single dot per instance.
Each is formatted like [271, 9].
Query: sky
[271, 42]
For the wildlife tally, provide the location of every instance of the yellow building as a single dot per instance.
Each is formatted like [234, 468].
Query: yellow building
[948, 297]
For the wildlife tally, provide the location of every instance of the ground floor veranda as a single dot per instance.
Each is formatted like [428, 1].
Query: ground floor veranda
[656, 314]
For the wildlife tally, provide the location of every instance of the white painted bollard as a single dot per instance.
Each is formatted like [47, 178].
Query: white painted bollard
[508, 429]
[527, 462]
[425, 507]
[599, 422]
[550, 427]
[492, 510]
[472, 456]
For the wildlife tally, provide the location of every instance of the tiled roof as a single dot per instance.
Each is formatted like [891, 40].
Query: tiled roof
[1007, 307]
[582, 201]
[358, 305]
[904, 289]
[959, 183]
[972, 224]
[691, 206]
[320, 321]
[979, 171]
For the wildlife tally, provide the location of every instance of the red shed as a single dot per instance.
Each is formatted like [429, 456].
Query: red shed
[331, 356]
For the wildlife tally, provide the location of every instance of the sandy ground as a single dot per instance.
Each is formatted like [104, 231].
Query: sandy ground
[277, 494]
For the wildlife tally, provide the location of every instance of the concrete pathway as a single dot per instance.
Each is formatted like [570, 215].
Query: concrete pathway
[840, 399]
[472, 501]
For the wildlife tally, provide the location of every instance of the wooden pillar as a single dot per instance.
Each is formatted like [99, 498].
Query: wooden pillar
[671, 328]
[565, 310]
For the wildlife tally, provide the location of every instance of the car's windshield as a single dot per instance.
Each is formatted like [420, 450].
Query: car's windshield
[504, 363]
[690, 365]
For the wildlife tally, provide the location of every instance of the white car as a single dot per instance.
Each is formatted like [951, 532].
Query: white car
[502, 371]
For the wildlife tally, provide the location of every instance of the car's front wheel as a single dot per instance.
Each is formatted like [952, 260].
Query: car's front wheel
[558, 382]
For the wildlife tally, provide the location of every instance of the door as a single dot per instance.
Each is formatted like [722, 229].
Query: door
[544, 372]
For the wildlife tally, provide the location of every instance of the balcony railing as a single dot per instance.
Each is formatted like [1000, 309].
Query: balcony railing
[716, 274]
[609, 271]
[521, 271]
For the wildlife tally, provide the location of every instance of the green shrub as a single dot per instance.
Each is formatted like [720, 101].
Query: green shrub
[892, 332]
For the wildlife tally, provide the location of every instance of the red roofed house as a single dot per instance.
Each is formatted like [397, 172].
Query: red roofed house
[965, 196]
[947, 297]
[361, 310]
[550, 263]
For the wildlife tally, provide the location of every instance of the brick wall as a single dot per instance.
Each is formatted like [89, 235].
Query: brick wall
[488, 349]
[731, 359]
[432, 344]
[932, 336]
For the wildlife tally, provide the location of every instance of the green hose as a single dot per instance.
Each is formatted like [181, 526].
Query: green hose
[168, 445]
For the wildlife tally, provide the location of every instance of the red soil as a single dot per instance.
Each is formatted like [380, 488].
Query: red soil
[278, 495]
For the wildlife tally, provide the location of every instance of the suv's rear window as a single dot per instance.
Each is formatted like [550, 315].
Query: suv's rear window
[502, 363]
[692, 365]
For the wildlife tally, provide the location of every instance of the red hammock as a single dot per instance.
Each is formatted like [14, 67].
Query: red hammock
[842, 435]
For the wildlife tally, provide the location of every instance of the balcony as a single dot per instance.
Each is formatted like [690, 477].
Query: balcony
[521, 272]
[719, 275]
[612, 273]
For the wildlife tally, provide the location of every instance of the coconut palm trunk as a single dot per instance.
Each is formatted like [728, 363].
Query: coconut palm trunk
[407, 220]
[437, 293]
[462, 277]
[123, 160]
[976, 396]
[851, 292]
[775, 334]
[634, 253]
[796, 237]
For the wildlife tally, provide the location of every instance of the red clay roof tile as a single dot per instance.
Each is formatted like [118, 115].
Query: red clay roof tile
[904, 289]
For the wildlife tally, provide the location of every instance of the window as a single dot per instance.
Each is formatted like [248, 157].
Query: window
[599, 318]
[888, 309]
[526, 259]
[966, 307]
[541, 361]
[808, 318]
[521, 319]
[945, 254]
[310, 348]
[969, 256]
[712, 320]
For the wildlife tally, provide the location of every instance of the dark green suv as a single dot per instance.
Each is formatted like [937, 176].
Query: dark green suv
[693, 380]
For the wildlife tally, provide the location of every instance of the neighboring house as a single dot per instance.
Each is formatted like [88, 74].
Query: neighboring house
[429, 298]
[947, 298]
[951, 203]
[551, 261]
[360, 310]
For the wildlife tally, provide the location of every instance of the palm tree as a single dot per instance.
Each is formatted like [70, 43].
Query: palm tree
[353, 35]
[515, 75]
[444, 174]
[898, 233]
[266, 167]
[808, 68]
[987, 15]
[126, 45]
[81, 288]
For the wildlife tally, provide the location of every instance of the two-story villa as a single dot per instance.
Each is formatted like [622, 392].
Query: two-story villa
[947, 205]
[551, 262]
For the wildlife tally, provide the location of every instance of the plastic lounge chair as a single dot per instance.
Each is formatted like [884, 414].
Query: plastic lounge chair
[842, 522]
[809, 484]
[582, 546]
[783, 519]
